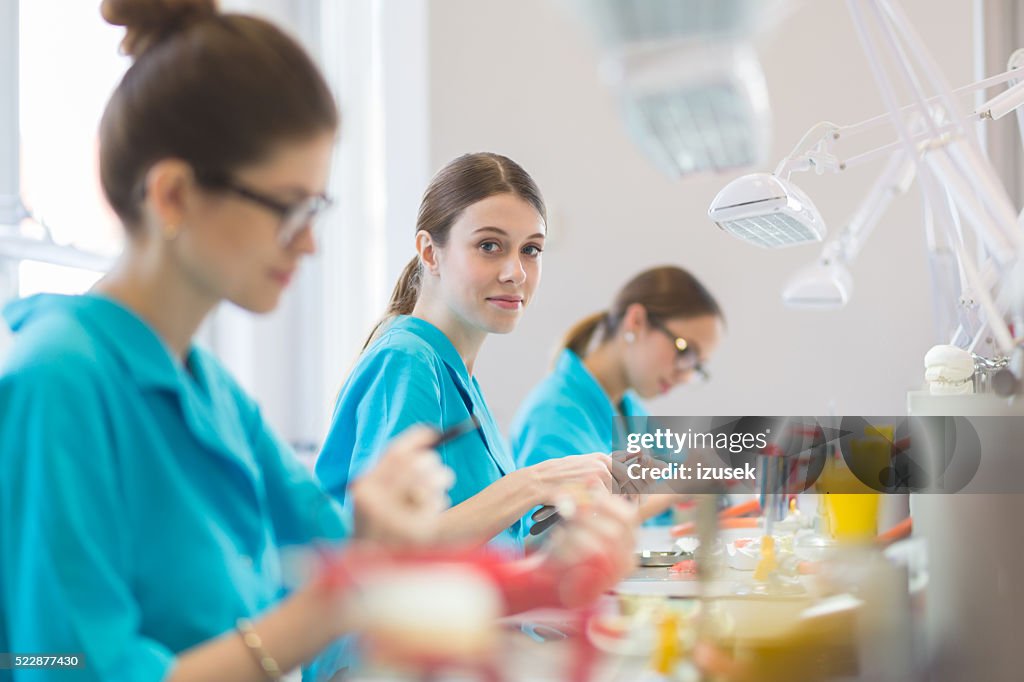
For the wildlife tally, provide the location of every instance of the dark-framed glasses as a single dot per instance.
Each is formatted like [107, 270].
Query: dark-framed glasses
[687, 352]
[295, 217]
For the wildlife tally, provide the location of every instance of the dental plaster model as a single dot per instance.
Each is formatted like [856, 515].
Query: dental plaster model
[948, 370]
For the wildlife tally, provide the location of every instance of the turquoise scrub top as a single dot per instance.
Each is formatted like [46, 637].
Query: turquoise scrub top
[143, 504]
[412, 374]
[569, 413]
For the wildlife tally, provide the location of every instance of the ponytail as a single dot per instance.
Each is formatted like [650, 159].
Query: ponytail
[403, 298]
[578, 338]
[665, 292]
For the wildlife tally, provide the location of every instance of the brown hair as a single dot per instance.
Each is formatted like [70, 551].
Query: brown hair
[666, 293]
[218, 91]
[460, 184]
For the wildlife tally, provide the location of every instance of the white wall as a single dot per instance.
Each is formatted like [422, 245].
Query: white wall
[521, 78]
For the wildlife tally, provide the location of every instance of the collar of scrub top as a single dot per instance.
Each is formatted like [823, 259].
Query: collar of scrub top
[438, 340]
[145, 354]
[444, 347]
[134, 342]
[148, 359]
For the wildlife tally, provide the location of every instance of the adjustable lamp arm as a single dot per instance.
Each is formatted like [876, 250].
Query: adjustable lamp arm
[815, 150]
[895, 180]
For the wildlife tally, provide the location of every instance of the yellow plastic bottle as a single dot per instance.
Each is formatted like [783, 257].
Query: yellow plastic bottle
[852, 505]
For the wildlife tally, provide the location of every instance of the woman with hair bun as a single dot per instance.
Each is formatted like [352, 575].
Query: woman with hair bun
[144, 502]
[659, 332]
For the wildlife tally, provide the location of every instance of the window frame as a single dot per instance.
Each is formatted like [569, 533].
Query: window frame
[374, 55]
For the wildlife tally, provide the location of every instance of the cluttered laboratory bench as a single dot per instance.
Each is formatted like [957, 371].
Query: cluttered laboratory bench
[796, 606]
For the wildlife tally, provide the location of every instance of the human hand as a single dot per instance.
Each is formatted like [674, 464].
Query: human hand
[399, 500]
[638, 463]
[550, 477]
[594, 548]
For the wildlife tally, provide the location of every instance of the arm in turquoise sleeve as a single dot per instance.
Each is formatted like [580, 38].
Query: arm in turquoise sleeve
[405, 391]
[394, 389]
[64, 529]
[300, 509]
[554, 430]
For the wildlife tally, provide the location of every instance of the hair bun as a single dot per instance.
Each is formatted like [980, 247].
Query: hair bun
[146, 22]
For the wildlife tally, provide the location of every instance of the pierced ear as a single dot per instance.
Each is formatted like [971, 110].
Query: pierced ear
[635, 318]
[169, 184]
[427, 252]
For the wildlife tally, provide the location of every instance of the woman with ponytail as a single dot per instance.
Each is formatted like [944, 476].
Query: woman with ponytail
[479, 237]
[661, 328]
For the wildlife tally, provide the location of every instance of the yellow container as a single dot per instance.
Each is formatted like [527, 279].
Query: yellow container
[851, 504]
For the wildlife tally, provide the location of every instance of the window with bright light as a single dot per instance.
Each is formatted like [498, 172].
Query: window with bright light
[35, 278]
[68, 65]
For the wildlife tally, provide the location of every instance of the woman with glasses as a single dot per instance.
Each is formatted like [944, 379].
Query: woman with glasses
[659, 332]
[144, 501]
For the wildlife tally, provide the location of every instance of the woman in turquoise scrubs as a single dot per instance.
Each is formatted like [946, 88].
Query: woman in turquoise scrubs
[144, 501]
[479, 237]
[659, 332]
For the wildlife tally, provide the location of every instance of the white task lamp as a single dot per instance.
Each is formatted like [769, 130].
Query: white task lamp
[827, 283]
[956, 178]
[769, 210]
[972, 619]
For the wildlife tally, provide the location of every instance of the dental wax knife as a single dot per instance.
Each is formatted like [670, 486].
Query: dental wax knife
[468, 425]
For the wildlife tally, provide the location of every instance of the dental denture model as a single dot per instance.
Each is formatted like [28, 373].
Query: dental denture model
[949, 370]
[436, 610]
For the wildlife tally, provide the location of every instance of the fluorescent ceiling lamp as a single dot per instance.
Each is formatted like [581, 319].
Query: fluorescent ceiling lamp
[695, 108]
[691, 89]
[767, 211]
[631, 22]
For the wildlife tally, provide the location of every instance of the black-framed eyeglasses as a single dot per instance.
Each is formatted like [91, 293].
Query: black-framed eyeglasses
[295, 217]
[687, 353]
